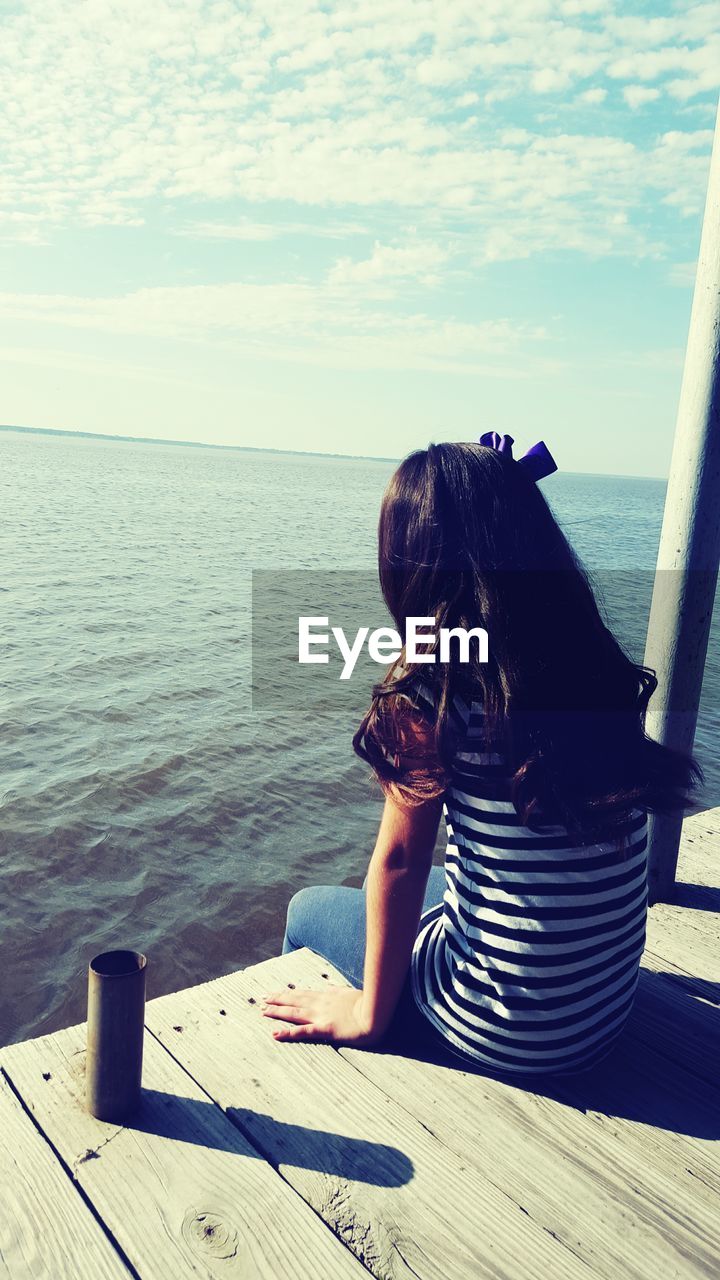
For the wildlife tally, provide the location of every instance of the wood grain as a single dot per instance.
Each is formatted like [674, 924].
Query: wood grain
[401, 1200]
[47, 1232]
[687, 937]
[699, 855]
[182, 1191]
[685, 932]
[594, 1181]
[703, 989]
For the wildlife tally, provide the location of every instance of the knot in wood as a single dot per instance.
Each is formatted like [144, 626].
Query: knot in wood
[207, 1233]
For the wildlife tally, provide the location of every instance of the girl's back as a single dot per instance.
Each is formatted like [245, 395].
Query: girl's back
[530, 963]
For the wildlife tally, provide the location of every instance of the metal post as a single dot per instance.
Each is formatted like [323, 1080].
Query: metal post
[115, 1031]
[687, 567]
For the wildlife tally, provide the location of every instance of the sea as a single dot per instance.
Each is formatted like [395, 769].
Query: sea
[149, 798]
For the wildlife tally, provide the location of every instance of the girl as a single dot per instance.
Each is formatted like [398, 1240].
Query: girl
[522, 953]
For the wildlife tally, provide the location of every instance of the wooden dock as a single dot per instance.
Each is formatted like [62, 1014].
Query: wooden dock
[251, 1159]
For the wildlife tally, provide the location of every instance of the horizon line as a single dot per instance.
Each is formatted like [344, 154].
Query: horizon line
[249, 448]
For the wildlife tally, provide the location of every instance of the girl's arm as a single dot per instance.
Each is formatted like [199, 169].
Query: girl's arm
[396, 882]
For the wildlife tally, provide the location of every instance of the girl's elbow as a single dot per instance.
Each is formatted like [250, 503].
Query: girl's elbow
[399, 860]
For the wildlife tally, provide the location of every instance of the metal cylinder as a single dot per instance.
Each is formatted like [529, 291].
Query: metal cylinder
[115, 1027]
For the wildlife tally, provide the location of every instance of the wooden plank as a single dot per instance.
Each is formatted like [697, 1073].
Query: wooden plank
[698, 988]
[669, 1021]
[181, 1190]
[46, 1229]
[645, 1095]
[621, 1212]
[684, 932]
[687, 937]
[401, 1200]
[700, 849]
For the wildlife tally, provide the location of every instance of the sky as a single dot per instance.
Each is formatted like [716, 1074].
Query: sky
[354, 227]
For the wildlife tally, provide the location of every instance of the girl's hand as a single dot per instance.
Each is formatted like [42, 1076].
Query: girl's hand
[332, 1016]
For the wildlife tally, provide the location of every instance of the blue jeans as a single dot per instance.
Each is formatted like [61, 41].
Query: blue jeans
[330, 920]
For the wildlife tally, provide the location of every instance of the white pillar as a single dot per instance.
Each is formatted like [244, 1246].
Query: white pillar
[687, 566]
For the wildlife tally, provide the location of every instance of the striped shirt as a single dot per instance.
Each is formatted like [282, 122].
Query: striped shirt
[531, 961]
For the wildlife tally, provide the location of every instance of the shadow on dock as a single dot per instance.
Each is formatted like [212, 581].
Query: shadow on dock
[661, 1073]
[203, 1124]
[699, 897]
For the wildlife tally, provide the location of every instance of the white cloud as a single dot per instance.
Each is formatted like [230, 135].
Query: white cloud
[438, 71]
[550, 79]
[697, 64]
[333, 324]
[415, 262]
[682, 274]
[245, 229]
[636, 95]
[185, 103]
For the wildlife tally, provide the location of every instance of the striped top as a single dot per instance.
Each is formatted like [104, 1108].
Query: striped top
[531, 961]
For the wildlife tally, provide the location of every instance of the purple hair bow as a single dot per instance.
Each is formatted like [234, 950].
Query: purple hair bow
[538, 461]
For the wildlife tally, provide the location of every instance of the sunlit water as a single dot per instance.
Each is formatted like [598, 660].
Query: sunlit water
[142, 800]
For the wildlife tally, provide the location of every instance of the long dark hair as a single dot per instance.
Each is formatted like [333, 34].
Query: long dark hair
[466, 537]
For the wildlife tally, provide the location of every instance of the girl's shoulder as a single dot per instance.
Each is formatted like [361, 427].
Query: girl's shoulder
[465, 714]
